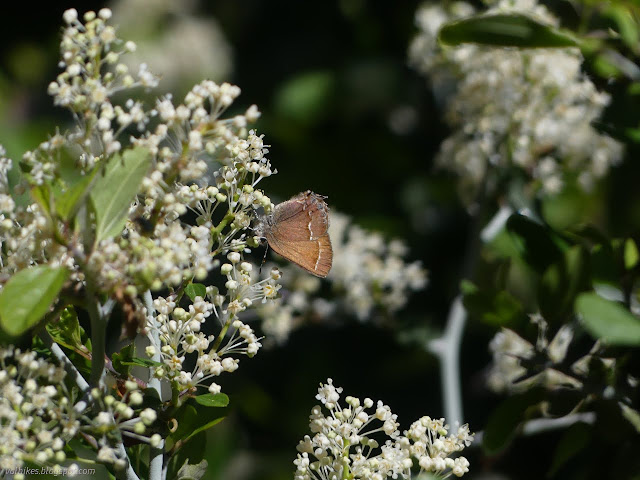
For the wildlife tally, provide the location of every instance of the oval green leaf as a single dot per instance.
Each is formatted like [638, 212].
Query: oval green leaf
[633, 416]
[627, 25]
[305, 97]
[537, 245]
[28, 295]
[574, 440]
[114, 192]
[631, 255]
[194, 290]
[67, 330]
[142, 362]
[608, 320]
[192, 472]
[562, 282]
[505, 420]
[69, 201]
[505, 30]
[211, 400]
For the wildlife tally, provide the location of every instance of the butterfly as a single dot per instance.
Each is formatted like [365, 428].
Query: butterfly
[298, 231]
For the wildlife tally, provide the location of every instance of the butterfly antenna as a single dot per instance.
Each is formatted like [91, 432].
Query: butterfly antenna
[264, 259]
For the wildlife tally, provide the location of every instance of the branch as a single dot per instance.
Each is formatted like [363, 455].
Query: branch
[543, 425]
[98, 334]
[69, 367]
[85, 388]
[447, 347]
[122, 453]
[156, 455]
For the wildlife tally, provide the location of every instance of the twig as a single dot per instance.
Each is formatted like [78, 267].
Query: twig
[85, 388]
[542, 425]
[156, 455]
[447, 347]
[98, 333]
[70, 368]
[122, 453]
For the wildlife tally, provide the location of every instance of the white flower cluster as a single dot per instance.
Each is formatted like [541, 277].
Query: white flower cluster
[179, 329]
[190, 134]
[7, 203]
[514, 357]
[530, 110]
[93, 73]
[189, 143]
[370, 271]
[38, 416]
[368, 274]
[120, 416]
[202, 165]
[173, 253]
[342, 445]
[25, 235]
[32, 390]
[184, 45]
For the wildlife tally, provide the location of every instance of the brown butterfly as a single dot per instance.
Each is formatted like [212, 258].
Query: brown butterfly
[298, 230]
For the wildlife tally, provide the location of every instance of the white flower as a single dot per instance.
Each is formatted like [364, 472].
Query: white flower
[512, 107]
[148, 416]
[107, 455]
[345, 433]
[70, 15]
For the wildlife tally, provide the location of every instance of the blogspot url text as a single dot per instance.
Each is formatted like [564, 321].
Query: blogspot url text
[60, 471]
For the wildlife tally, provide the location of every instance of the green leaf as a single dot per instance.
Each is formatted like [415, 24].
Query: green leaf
[187, 419]
[605, 65]
[68, 200]
[194, 453]
[505, 30]
[67, 331]
[605, 264]
[536, 244]
[503, 423]
[211, 400]
[608, 320]
[468, 288]
[561, 283]
[41, 194]
[192, 472]
[194, 290]
[630, 254]
[305, 97]
[142, 362]
[63, 197]
[632, 415]
[123, 359]
[572, 442]
[627, 26]
[193, 421]
[496, 308]
[206, 426]
[67, 161]
[114, 192]
[27, 296]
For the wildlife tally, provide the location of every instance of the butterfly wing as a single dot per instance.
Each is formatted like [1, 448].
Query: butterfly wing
[315, 256]
[303, 217]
